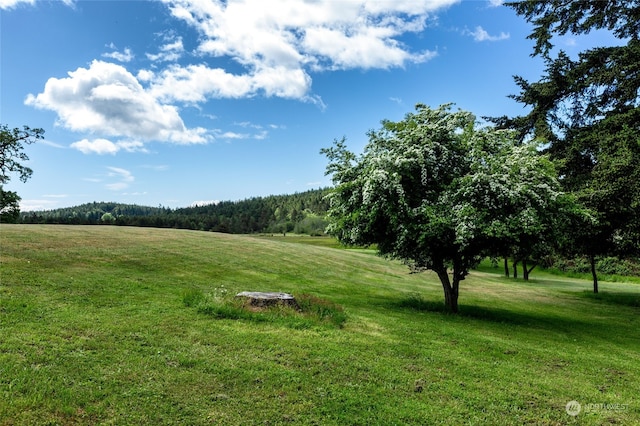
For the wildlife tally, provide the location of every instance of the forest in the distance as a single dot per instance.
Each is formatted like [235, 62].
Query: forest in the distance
[301, 213]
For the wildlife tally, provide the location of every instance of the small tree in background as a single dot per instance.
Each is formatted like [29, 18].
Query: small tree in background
[438, 193]
[12, 142]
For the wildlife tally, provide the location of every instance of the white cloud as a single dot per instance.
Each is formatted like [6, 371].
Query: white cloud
[233, 135]
[366, 47]
[123, 177]
[10, 4]
[278, 42]
[169, 52]
[104, 146]
[132, 146]
[495, 3]
[125, 56]
[262, 135]
[97, 146]
[248, 125]
[274, 45]
[480, 34]
[145, 75]
[195, 83]
[52, 144]
[106, 99]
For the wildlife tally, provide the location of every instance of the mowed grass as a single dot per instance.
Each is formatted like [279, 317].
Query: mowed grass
[94, 329]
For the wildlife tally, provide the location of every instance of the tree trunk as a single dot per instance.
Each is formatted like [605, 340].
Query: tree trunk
[450, 289]
[594, 274]
[506, 267]
[525, 272]
[515, 269]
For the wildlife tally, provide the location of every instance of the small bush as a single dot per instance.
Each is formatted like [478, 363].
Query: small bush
[324, 310]
[192, 297]
[610, 266]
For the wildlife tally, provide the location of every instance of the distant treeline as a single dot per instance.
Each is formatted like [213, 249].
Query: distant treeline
[300, 213]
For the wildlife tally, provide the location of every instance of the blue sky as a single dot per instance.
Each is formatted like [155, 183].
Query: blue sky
[175, 102]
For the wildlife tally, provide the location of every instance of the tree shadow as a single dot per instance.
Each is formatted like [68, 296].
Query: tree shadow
[545, 321]
[624, 299]
[418, 303]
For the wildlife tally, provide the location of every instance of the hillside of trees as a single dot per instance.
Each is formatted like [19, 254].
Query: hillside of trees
[300, 213]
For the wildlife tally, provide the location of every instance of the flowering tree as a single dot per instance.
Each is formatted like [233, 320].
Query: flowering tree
[438, 193]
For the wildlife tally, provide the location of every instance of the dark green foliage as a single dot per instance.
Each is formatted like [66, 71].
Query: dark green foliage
[300, 212]
[9, 206]
[606, 265]
[587, 110]
[92, 213]
[12, 142]
[550, 17]
[311, 225]
[439, 193]
[12, 157]
[417, 302]
[624, 299]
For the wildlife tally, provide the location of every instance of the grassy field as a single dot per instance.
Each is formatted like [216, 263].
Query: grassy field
[98, 325]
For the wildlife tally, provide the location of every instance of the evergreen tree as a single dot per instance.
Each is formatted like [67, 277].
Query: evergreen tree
[587, 110]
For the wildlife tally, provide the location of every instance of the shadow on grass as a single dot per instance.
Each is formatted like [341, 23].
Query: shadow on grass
[547, 321]
[417, 303]
[624, 299]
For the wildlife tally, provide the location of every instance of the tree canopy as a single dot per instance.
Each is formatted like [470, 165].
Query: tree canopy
[300, 212]
[587, 109]
[12, 156]
[438, 192]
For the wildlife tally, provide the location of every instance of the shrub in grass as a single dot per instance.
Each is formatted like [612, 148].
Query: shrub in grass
[323, 310]
[313, 310]
[192, 297]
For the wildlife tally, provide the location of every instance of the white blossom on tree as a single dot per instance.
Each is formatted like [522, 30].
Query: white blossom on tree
[439, 193]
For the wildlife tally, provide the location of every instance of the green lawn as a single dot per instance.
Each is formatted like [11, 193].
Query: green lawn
[94, 329]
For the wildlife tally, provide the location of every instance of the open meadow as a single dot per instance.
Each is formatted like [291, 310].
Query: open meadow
[121, 325]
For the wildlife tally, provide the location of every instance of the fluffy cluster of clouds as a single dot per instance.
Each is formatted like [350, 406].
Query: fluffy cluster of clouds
[10, 4]
[108, 100]
[273, 46]
[480, 34]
